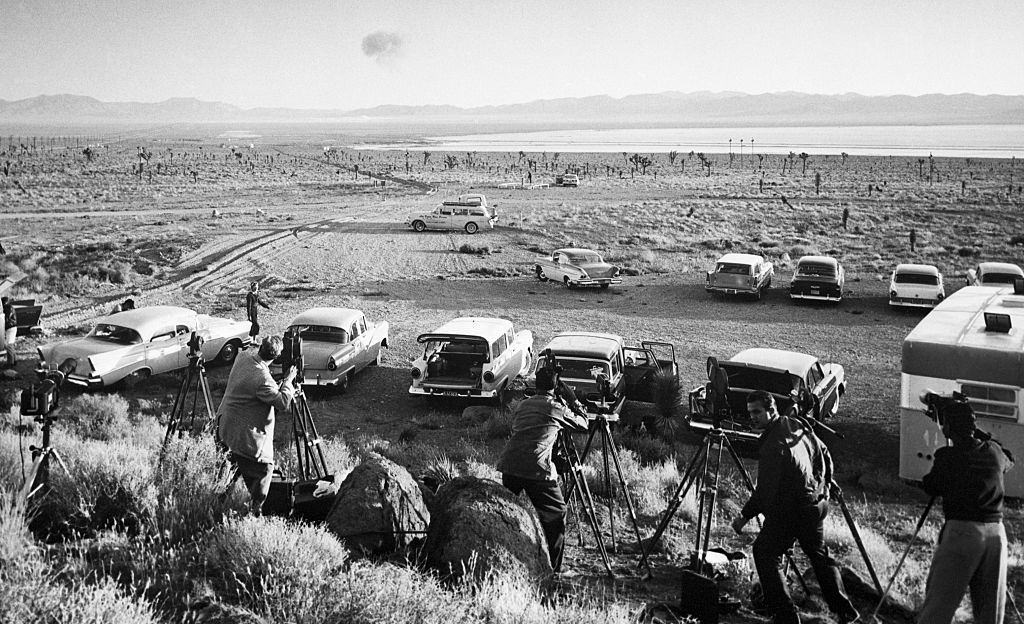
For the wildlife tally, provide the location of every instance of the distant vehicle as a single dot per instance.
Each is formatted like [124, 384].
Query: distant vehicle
[130, 346]
[818, 277]
[783, 374]
[576, 267]
[468, 212]
[338, 343]
[567, 179]
[630, 371]
[472, 357]
[916, 285]
[994, 274]
[970, 343]
[738, 274]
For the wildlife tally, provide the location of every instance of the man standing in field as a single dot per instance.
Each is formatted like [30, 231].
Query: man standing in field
[794, 475]
[252, 303]
[10, 331]
[526, 463]
[971, 553]
[247, 414]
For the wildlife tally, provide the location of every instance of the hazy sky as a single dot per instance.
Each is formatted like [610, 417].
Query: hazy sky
[323, 54]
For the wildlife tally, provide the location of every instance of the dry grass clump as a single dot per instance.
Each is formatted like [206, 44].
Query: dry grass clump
[649, 486]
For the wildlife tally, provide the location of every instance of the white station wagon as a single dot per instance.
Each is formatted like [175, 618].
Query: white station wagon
[469, 212]
[916, 285]
[471, 357]
[130, 346]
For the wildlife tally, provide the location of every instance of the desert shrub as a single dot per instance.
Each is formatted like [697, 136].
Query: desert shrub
[649, 450]
[467, 248]
[250, 559]
[439, 471]
[189, 482]
[797, 251]
[650, 487]
[1017, 239]
[967, 252]
[99, 416]
[499, 425]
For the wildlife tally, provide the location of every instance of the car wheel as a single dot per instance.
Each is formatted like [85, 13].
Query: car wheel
[540, 273]
[342, 384]
[137, 377]
[565, 280]
[419, 226]
[228, 353]
[472, 227]
[380, 356]
[757, 295]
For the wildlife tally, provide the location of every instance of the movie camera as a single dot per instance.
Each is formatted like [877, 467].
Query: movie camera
[40, 400]
[291, 354]
[937, 406]
[195, 345]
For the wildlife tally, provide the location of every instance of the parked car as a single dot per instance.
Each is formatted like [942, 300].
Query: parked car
[471, 357]
[629, 371]
[567, 179]
[994, 274]
[130, 346]
[819, 278]
[338, 343]
[469, 212]
[916, 285]
[784, 374]
[576, 267]
[737, 273]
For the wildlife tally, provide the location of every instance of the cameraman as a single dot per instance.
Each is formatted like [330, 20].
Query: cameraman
[526, 463]
[971, 552]
[247, 415]
[794, 474]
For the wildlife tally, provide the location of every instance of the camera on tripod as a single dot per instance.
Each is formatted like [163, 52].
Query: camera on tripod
[195, 346]
[39, 401]
[291, 354]
[938, 405]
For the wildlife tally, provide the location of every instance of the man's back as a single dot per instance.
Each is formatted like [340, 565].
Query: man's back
[538, 420]
[247, 410]
[969, 478]
[794, 469]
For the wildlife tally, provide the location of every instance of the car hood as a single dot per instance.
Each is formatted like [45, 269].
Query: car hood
[80, 350]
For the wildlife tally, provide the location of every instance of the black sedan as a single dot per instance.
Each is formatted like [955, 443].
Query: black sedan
[819, 278]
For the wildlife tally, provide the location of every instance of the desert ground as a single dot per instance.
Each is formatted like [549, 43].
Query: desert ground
[204, 216]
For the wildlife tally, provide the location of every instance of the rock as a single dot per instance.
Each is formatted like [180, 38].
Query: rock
[379, 507]
[479, 527]
[477, 413]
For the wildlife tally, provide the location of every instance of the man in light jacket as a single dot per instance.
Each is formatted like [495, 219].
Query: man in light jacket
[247, 415]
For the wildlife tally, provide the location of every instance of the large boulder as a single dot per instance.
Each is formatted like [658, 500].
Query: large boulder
[379, 508]
[479, 527]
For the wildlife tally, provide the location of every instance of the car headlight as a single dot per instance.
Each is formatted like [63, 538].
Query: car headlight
[941, 296]
[331, 364]
[892, 294]
[489, 376]
[415, 372]
[583, 275]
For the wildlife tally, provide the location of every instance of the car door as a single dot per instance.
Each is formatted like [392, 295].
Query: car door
[358, 337]
[439, 219]
[640, 368]
[825, 387]
[162, 351]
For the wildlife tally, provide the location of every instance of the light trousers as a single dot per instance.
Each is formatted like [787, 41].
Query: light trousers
[970, 555]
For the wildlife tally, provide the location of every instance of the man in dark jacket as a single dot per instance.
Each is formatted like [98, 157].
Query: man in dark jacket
[794, 475]
[972, 545]
[10, 329]
[252, 303]
[526, 463]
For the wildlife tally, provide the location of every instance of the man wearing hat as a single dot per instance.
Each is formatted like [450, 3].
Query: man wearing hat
[971, 553]
[526, 463]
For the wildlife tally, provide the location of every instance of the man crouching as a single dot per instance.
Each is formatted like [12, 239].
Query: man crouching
[526, 462]
[794, 474]
[247, 415]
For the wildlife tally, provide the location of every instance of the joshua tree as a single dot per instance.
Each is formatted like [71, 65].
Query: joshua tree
[920, 168]
[804, 156]
[426, 157]
[450, 161]
[522, 155]
[844, 156]
[817, 182]
[672, 157]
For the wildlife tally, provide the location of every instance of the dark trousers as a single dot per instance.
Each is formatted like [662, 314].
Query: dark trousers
[256, 476]
[804, 525]
[547, 499]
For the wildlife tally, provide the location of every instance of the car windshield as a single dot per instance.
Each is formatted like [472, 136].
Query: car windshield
[1000, 278]
[115, 334]
[577, 368]
[917, 278]
[734, 269]
[816, 269]
[758, 379]
[584, 258]
[324, 333]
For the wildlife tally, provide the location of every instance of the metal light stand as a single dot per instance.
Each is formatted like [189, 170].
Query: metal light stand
[194, 383]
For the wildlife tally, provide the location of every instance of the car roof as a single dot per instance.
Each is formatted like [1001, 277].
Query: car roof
[795, 363]
[818, 259]
[741, 258]
[1000, 267]
[328, 317]
[572, 250]
[475, 326]
[926, 269]
[150, 319]
[585, 344]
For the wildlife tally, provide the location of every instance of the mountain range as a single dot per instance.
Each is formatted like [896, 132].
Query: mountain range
[656, 109]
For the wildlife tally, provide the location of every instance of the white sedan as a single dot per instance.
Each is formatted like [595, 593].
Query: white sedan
[338, 343]
[916, 285]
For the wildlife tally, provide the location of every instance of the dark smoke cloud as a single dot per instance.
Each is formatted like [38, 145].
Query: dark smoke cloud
[382, 45]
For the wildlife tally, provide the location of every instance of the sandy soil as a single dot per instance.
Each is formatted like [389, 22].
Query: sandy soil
[317, 233]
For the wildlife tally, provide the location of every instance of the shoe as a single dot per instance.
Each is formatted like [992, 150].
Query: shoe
[847, 617]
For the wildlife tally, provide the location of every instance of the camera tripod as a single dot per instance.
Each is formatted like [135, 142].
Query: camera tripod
[574, 483]
[309, 455]
[194, 383]
[38, 480]
[40, 402]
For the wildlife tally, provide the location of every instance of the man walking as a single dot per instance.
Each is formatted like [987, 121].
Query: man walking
[971, 553]
[913, 239]
[252, 303]
[526, 463]
[247, 416]
[794, 475]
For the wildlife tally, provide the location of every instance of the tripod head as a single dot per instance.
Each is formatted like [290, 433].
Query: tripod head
[40, 401]
[195, 348]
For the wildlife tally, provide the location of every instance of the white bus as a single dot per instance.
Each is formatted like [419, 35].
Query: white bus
[972, 342]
